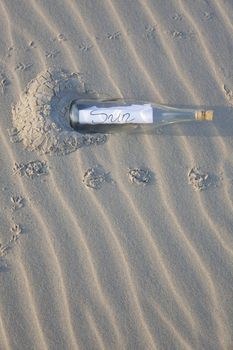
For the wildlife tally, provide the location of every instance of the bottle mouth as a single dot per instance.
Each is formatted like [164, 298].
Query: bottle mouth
[204, 115]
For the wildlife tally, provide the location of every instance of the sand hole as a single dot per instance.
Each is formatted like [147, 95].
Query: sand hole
[41, 115]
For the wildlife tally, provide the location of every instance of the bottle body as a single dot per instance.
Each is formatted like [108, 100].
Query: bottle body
[114, 115]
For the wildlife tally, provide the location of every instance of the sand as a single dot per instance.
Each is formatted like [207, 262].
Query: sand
[121, 241]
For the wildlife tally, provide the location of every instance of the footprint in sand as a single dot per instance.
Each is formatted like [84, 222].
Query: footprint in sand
[31, 169]
[199, 180]
[16, 229]
[95, 178]
[139, 176]
[17, 202]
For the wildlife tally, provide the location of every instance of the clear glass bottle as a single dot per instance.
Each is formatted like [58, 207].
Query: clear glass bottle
[115, 115]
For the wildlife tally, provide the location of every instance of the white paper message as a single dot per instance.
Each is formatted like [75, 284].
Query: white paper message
[138, 114]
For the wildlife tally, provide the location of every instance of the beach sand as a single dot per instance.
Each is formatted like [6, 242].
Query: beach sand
[120, 241]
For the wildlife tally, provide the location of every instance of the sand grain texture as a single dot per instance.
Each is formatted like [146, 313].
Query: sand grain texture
[142, 260]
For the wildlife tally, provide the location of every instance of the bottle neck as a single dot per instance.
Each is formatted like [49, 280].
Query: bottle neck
[173, 115]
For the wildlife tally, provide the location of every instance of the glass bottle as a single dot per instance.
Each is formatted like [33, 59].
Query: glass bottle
[115, 115]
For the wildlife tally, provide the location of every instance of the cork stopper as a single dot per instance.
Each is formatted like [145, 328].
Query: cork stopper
[204, 115]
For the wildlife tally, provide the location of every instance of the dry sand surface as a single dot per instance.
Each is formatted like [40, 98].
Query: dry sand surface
[120, 241]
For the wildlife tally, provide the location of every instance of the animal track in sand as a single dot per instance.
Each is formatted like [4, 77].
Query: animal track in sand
[17, 202]
[198, 180]
[31, 169]
[177, 17]
[150, 31]
[61, 37]
[95, 178]
[40, 118]
[114, 36]
[14, 135]
[175, 34]
[201, 180]
[22, 66]
[228, 93]
[85, 47]
[139, 176]
[4, 82]
[208, 15]
[16, 229]
[32, 44]
[51, 54]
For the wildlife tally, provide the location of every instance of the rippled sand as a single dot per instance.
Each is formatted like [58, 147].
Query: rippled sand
[124, 241]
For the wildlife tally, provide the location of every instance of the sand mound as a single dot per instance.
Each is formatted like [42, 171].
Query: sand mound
[41, 115]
